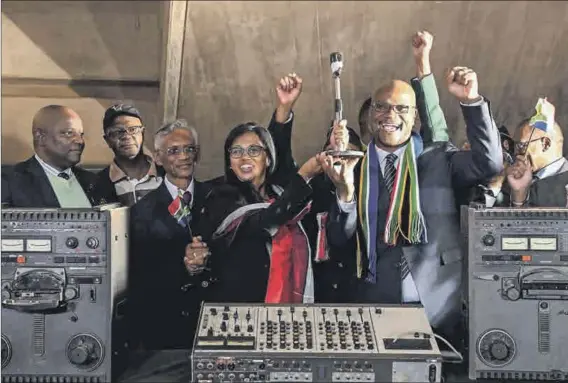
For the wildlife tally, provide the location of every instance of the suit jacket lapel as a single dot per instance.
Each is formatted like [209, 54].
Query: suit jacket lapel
[86, 184]
[163, 200]
[43, 190]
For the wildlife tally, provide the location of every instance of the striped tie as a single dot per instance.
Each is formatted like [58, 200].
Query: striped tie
[390, 172]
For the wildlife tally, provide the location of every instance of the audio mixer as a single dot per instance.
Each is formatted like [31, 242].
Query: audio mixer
[314, 343]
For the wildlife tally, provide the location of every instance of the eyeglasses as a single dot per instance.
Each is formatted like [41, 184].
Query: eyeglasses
[252, 151]
[384, 107]
[521, 147]
[122, 132]
[177, 150]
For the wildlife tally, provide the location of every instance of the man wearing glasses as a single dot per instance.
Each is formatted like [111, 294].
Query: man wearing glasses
[133, 173]
[167, 256]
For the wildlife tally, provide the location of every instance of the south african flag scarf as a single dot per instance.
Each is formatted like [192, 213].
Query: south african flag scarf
[405, 192]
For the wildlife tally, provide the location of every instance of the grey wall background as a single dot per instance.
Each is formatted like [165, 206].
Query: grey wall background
[234, 52]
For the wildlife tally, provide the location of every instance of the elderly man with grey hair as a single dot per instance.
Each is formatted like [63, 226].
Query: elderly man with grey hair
[168, 282]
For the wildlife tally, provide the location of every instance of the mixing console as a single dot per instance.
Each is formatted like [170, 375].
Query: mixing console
[238, 342]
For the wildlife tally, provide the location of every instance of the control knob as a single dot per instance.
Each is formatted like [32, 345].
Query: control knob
[499, 350]
[488, 240]
[70, 293]
[85, 351]
[513, 293]
[92, 243]
[72, 242]
[496, 348]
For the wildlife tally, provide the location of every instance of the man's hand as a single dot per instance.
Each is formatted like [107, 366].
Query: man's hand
[342, 175]
[339, 136]
[519, 177]
[288, 90]
[196, 254]
[462, 83]
[422, 42]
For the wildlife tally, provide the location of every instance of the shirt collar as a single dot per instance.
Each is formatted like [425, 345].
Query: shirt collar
[173, 189]
[551, 169]
[48, 169]
[382, 154]
[116, 173]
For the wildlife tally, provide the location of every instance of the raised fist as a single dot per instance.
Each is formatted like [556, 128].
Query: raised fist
[422, 44]
[289, 89]
[462, 83]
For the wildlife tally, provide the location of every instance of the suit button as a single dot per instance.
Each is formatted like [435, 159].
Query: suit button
[204, 284]
[335, 285]
[340, 264]
[184, 314]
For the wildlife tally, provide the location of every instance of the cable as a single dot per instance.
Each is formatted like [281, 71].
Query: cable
[455, 352]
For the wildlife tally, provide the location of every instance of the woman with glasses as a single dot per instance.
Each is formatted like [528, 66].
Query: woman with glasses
[252, 223]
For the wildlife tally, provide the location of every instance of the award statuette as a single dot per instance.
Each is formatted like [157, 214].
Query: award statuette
[340, 146]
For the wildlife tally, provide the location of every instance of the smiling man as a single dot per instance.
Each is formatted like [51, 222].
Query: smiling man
[399, 203]
[166, 254]
[51, 177]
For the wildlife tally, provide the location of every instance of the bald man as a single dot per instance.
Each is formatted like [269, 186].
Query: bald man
[50, 178]
[540, 173]
[408, 232]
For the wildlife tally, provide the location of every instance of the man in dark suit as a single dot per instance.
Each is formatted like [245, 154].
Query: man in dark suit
[539, 175]
[165, 292]
[410, 242]
[51, 178]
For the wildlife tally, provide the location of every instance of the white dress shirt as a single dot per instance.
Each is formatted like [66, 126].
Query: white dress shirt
[173, 189]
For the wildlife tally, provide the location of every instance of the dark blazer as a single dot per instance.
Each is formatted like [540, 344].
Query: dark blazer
[165, 299]
[550, 191]
[27, 185]
[436, 266]
[242, 266]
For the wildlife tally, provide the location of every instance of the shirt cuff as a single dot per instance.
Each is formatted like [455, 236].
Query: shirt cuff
[290, 116]
[346, 207]
[477, 103]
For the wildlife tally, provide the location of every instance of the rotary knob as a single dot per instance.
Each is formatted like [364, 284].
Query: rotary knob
[85, 351]
[70, 293]
[72, 242]
[499, 350]
[513, 293]
[488, 240]
[92, 243]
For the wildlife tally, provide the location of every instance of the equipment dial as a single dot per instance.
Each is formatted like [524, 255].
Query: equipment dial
[85, 351]
[92, 243]
[488, 240]
[72, 242]
[6, 351]
[496, 348]
[513, 293]
[70, 293]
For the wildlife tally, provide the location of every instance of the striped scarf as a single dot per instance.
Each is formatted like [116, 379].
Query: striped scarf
[405, 192]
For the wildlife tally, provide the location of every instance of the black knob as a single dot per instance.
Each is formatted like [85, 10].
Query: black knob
[499, 350]
[488, 240]
[92, 243]
[223, 326]
[72, 242]
[213, 311]
[237, 328]
[249, 328]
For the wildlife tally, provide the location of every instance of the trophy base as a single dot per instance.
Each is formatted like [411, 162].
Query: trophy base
[345, 153]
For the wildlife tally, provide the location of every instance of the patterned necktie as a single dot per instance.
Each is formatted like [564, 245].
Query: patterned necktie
[64, 175]
[390, 173]
[186, 198]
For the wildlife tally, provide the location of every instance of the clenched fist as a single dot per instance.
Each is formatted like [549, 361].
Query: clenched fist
[422, 42]
[289, 89]
[339, 136]
[196, 254]
[462, 83]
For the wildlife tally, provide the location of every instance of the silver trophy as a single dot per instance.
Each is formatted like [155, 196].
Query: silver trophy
[336, 61]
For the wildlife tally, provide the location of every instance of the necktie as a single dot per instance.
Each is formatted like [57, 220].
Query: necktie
[64, 175]
[186, 198]
[390, 171]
